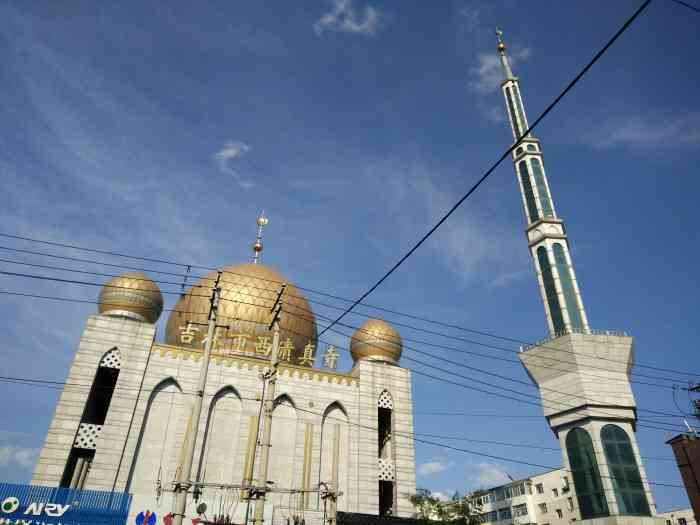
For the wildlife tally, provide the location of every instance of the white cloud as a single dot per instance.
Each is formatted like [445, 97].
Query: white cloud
[646, 131]
[442, 495]
[490, 475]
[470, 17]
[20, 456]
[433, 467]
[487, 75]
[229, 152]
[343, 18]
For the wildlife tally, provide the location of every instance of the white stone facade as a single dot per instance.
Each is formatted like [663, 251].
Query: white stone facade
[679, 517]
[319, 415]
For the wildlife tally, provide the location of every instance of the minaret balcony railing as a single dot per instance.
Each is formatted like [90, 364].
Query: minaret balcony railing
[570, 331]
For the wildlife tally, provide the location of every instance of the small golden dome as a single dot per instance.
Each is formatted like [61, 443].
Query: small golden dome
[376, 340]
[247, 293]
[132, 295]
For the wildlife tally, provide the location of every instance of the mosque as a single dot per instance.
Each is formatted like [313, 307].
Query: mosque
[347, 430]
[351, 431]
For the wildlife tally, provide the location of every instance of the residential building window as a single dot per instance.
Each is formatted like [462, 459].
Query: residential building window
[532, 212]
[550, 290]
[570, 502]
[584, 470]
[520, 510]
[543, 508]
[560, 514]
[555, 493]
[500, 494]
[624, 471]
[542, 191]
[504, 514]
[567, 286]
[681, 521]
[540, 488]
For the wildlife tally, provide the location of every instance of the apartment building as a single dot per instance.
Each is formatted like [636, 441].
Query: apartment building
[545, 499]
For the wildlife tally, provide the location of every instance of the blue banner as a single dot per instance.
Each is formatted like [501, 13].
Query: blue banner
[36, 505]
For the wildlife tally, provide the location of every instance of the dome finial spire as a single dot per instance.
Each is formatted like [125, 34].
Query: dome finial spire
[258, 246]
[504, 57]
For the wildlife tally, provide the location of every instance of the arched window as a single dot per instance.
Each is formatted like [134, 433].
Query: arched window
[626, 479]
[220, 444]
[94, 415]
[550, 290]
[334, 450]
[527, 188]
[567, 286]
[545, 199]
[511, 108]
[584, 469]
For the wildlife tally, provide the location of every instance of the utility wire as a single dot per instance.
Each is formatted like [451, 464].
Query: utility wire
[450, 372]
[493, 167]
[686, 4]
[60, 385]
[257, 296]
[318, 292]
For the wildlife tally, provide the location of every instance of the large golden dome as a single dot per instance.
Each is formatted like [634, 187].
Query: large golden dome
[247, 293]
[132, 295]
[376, 340]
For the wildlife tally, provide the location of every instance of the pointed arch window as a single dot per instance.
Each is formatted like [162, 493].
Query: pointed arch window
[542, 191]
[532, 212]
[584, 469]
[567, 286]
[624, 471]
[550, 290]
[94, 415]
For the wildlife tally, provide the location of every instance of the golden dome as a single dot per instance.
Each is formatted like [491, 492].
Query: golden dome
[132, 295]
[247, 293]
[376, 340]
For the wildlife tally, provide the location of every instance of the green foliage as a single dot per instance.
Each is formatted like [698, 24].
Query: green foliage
[458, 510]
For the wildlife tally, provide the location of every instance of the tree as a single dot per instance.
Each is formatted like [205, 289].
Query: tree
[458, 510]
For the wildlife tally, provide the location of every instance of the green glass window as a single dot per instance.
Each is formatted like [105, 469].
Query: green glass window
[567, 286]
[545, 199]
[550, 290]
[624, 471]
[519, 107]
[532, 212]
[511, 108]
[584, 469]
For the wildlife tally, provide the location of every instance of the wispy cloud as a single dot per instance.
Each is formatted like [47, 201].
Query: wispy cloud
[228, 153]
[469, 17]
[433, 467]
[343, 18]
[489, 475]
[487, 75]
[645, 131]
[20, 456]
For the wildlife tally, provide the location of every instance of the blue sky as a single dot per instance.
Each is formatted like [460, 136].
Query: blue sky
[162, 129]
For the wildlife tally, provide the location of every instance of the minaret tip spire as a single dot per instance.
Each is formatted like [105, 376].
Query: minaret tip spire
[258, 246]
[502, 53]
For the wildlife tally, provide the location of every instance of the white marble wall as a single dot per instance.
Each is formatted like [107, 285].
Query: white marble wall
[158, 387]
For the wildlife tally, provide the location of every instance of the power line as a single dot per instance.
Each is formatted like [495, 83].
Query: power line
[493, 166]
[447, 371]
[318, 292]
[305, 310]
[60, 384]
[686, 4]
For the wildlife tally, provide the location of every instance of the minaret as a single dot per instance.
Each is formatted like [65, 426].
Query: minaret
[582, 375]
[546, 234]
